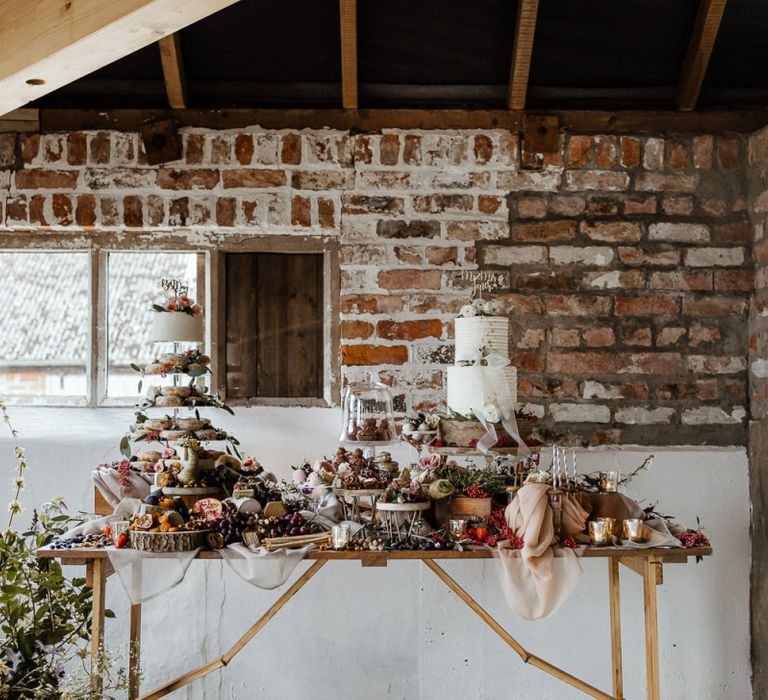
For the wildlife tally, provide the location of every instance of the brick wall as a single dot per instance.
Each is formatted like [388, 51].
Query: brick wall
[625, 262]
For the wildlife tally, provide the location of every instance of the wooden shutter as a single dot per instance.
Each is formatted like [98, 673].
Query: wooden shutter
[274, 325]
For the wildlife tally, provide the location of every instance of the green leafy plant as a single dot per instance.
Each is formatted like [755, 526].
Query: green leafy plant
[463, 478]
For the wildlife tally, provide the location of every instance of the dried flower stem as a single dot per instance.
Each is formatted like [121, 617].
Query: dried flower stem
[14, 506]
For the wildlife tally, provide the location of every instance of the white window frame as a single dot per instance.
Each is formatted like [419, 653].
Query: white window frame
[212, 295]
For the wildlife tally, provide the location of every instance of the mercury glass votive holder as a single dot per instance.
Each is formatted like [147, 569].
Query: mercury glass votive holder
[339, 536]
[633, 529]
[598, 533]
[609, 482]
[611, 524]
[458, 528]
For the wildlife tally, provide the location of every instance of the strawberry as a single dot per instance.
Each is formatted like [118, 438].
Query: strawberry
[107, 530]
[122, 540]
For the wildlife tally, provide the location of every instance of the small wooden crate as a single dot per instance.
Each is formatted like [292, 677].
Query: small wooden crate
[466, 433]
[466, 507]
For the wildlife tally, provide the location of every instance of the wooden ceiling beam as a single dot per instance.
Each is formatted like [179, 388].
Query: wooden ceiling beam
[173, 70]
[525, 28]
[699, 51]
[348, 17]
[45, 44]
[577, 121]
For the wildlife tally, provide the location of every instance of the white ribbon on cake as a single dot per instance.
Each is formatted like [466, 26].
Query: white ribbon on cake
[505, 403]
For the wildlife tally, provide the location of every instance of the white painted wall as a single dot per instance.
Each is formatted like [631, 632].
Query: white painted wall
[398, 632]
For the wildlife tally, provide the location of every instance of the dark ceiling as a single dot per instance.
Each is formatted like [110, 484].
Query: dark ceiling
[600, 54]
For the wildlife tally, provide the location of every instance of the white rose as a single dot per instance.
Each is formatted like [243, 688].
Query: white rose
[467, 311]
[490, 308]
[433, 421]
[491, 413]
[478, 303]
[407, 428]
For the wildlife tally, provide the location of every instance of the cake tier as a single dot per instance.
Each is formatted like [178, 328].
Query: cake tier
[177, 326]
[475, 333]
[471, 388]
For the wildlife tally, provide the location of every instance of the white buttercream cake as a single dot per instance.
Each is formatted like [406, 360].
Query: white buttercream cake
[177, 326]
[473, 386]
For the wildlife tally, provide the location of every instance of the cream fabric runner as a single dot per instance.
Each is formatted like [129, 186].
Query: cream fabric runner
[107, 481]
[538, 579]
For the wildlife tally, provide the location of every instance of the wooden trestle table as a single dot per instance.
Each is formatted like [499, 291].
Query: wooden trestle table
[648, 563]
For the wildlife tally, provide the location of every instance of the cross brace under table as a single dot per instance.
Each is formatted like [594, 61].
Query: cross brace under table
[647, 563]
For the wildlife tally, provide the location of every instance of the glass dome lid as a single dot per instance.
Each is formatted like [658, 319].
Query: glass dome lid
[368, 418]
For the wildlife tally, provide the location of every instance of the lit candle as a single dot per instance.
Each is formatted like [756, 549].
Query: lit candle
[340, 536]
[610, 523]
[609, 482]
[598, 533]
[458, 528]
[633, 529]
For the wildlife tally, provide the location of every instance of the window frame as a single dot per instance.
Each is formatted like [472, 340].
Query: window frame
[213, 247]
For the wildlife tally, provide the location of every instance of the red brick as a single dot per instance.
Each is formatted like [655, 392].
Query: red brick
[300, 212]
[605, 151]
[325, 213]
[647, 306]
[678, 156]
[412, 150]
[702, 152]
[579, 151]
[640, 205]
[488, 204]
[531, 207]
[636, 256]
[155, 210]
[410, 279]
[85, 210]
[132, 213]
[199, 179]
[290, 151]
[602, 337]
[677, 205]
[195, 147]
[225, 211]
[372, 204]
[30, 146]
[439, 255]
[101, 148]
[363, 152]
[77, 148]
[370, 304]
[54, 148]
[244, 149]
[374, 354]
[483, 149]
[389, 149]
[109, 213]
[578, 306]
[728, 148]
[737, 232]
[714, 306]
[356, 329]
[545, 231]
[528, 361]
[702, 335]
[637, 336]
[439, 203]
[221, 150]
[37, 210]
[519, 304]
[648, 363]
[547, 387]
[252, 177]
[630, 151]
[612, 231]
[7, 150]
[703, 390]
[580, 362]
[39, 179]
[409, 330]
[734, 280]
[682, 281]
[16, 209]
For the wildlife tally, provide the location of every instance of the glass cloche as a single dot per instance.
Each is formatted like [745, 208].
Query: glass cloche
[368, 418]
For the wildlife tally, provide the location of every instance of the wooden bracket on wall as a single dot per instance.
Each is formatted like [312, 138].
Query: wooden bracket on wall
[541, 137]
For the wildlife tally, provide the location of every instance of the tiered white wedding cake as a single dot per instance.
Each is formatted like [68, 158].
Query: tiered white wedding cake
[481, 378]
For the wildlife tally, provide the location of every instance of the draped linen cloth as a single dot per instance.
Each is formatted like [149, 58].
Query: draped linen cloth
[659, 534]
[538, 579]
[574, 517]
[147, 575]
[107, 481]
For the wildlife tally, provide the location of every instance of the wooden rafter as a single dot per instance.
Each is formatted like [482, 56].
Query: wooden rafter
[525, 28]
[45, 44]
[173, 70]
[699, 51]
[348, 17]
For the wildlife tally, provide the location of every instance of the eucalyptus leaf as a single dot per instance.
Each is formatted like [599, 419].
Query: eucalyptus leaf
[125, 446]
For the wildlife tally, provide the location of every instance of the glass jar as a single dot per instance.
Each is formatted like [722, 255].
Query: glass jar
[368, 418]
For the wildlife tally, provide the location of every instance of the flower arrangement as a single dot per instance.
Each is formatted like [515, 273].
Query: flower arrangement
[479, 307]
[181, 303]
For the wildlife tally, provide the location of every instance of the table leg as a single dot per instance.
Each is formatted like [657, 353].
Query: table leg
[615, 607]
[96, 577]
[650, 567]
[134, 653]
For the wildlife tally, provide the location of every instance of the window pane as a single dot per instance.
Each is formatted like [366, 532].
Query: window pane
[44, 324]
[134, 285]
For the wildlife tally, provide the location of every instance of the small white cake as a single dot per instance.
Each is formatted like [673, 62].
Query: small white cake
[476, 380]
[177, 326]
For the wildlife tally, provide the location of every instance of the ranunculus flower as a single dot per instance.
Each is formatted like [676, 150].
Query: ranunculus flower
[197, 309]
[184, 299]
[314, 480]
[299, 476]
[430, 462]
[491, 413]
[171, 306]
[478, 303]
[468, 310]
[490, 308]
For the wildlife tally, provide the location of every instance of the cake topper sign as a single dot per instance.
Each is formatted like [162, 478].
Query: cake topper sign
[175, 286]
[482, 281]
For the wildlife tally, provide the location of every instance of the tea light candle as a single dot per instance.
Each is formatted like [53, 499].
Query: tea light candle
[458, 528]
[609, 482]
[633, 529]
[340, 536]
[598, 533]
[610, 523]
